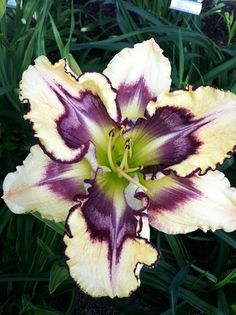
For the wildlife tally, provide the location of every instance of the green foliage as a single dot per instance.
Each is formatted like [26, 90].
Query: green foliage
[2, 7]
[58, 275]
[196, 271]
[231, 25]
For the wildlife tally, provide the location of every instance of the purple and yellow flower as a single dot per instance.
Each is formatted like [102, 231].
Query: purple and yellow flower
[123, 152]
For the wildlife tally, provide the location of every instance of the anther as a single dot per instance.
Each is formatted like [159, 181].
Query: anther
[112, 132]
[109, 150]
[128, 141]
[122, 128]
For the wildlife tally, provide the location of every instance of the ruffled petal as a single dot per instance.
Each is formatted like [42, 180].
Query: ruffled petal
[182, 205]
[166, 138]
[139, 74]
[106, 241]
[45, 186]
[203, 136]
[66, 112]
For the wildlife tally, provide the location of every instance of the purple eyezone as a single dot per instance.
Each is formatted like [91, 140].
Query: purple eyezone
[81, 114]
[175, 128]
[171, 198]
[137, 93]
[104, 224]
[56, 180]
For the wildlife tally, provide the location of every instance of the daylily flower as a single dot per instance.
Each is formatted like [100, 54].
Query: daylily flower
[123, 151]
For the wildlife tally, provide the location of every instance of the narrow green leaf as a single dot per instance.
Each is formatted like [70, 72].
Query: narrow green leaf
[217, 71]
[222, 302]
[2, 8]
[24, 277]
[230, 278]
[58, 275]
[29, 308]
[73, 64]
[181, 309]
[46, 250]
[57, 37]
[72, 27]
[5, 89]
[58, 227]
[41, 28]
[226, 238]
[221, 257]
[174, 286]
[205, 273]
[72, 302]
[5, 216]
[177, 248]
[29, 51]
[198, 303]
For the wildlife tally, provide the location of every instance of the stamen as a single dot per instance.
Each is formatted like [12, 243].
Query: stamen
[112, 132]
[130, 148]
[134, 169]
[123, 169]
[109, 150]
[124, 161]
[122, 128]
[130, 179]
[117, 134]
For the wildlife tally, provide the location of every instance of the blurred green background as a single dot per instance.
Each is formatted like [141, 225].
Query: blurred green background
[197, 271]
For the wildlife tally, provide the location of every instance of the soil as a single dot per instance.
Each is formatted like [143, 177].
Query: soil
[214, 26]
[86, 305]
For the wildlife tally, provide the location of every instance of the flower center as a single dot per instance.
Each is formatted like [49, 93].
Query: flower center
[122, 168]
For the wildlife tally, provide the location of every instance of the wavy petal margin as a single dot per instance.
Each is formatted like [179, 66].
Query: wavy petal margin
[212, 127]
[45, 186]
[139, 74]
[105, 246]
[65, 112]
[181, 205]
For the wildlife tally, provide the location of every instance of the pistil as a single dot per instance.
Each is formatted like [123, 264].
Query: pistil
[123, 168]
[130, 179]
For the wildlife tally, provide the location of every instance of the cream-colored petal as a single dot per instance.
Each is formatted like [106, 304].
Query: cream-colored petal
[182, 205]
[67, 112]
[93, 268]
[45, 186]
[107, 242]
[212, 125]
[139, 74]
